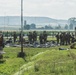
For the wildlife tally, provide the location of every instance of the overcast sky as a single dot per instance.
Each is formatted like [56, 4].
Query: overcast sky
[59, 9]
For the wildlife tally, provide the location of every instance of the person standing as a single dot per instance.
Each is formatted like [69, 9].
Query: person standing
[41, 38]
[1, 45]
[14, 37]
[57, 37]
[34, 35]
[69, 37]
[44, 37]
[30, 37]
[72, 38]
[61, 38]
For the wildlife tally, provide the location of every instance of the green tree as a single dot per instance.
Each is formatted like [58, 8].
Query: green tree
[32, 26]
[71, 26]
[27, 27]
[66, 26]
[58, 27]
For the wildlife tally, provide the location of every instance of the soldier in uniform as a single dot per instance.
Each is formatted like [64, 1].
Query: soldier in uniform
[61, 39]
[44, 37]
[34, 36]
[66, 38]
[41, 38]
[1, 45]
[14, 37]
[57, 38]
[73, 46]
[72, 38]
[69, 37]
[30, 37]
[1, 40]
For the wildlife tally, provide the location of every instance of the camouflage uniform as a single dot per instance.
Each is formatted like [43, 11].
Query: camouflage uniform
[61, 39]
[1, 40]
[72, 38]
[44, 37]
[69, 37]
[34, 36]
[1, 45]
[41, 38]
[58, 37]
[14, 37]
[66, 38]
[30, 37]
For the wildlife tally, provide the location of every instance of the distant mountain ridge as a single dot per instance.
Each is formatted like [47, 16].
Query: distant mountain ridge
[15, 20]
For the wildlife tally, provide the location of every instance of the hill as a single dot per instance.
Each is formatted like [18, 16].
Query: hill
[15, 20]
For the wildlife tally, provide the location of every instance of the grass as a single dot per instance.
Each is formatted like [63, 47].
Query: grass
[54, 62]
[12, 62]
[50, 62]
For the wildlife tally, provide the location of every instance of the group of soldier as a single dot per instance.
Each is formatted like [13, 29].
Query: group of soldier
[65, 38]
[32, 37]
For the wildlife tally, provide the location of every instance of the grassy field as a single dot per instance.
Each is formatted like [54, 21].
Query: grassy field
[39, 61]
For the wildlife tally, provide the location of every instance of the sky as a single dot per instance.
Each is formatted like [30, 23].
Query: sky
[57, 9]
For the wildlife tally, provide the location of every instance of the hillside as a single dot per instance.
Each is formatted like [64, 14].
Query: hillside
[39, 61]
[15, 20]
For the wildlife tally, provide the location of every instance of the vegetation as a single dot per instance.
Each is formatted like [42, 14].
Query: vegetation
[39, 61]
[54, 62]
[12, 63]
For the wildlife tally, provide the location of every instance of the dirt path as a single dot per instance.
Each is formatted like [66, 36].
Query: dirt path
[24, 68]
[29, 65]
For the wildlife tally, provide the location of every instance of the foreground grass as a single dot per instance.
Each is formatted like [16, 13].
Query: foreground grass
[54, 62]
[12, 62]
[51, 62]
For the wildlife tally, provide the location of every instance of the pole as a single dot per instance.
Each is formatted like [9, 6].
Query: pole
[21, 25]
[21, 54]
[75, 32]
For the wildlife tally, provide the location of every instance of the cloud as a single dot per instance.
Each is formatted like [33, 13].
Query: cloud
[50, 8]
[9, 6]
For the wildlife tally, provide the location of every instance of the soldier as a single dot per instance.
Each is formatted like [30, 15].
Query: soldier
[44, 37]
[34, 36]
[57, 38]
[66, 38]
[1, 40]
[21, 39]
[14, 37]
[30, 37]
[69, 37]
[41, 38]
[73, 46]
[61, 39]
[72, 38]
[1, 45]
